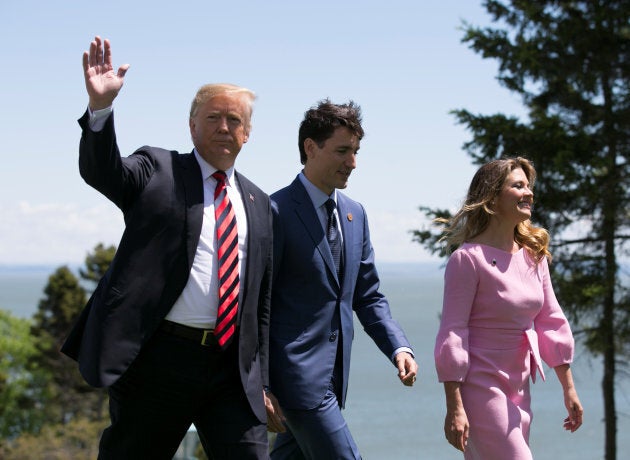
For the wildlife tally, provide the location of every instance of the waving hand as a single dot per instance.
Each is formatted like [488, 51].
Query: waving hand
[101, 82]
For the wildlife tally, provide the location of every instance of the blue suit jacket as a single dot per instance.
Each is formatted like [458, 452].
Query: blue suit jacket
[161, 195]
[310, 309]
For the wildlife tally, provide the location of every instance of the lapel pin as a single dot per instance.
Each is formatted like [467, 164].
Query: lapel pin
[251, 197]
[349, 216]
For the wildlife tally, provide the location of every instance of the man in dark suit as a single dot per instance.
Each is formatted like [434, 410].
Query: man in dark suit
[178, 327]
[323, 271]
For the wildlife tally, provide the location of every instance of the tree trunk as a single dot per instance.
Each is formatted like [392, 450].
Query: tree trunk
[610, 209]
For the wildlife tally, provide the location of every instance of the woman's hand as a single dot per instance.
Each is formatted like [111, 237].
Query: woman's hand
[456, 421]
[456, 428]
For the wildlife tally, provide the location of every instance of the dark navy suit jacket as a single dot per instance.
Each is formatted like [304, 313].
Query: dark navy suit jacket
[310, 309]
[160, 193]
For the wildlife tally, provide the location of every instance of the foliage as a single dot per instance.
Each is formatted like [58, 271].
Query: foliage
[75, 440]
[46, 409]
[97, 262]
[21, 395]
[63, 300]
[570, 63]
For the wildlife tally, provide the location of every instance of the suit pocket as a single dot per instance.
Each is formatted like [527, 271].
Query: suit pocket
[287, 332]
[107, 301]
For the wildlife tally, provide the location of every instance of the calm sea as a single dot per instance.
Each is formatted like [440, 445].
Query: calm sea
[391, 422]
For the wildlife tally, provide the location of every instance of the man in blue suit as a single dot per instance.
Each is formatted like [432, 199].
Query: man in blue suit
[323, 270]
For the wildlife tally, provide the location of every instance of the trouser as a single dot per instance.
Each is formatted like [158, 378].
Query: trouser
[175, 382]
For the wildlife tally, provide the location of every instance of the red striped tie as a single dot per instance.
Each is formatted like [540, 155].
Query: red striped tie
[227, 252]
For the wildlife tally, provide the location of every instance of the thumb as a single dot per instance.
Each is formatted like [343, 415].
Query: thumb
[122, 70]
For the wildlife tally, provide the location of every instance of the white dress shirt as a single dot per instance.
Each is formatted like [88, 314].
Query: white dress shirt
[198, 303]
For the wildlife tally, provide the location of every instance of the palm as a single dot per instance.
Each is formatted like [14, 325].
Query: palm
[101, 80]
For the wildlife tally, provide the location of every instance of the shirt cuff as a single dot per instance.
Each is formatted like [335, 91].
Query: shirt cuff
[98, 118]
[400, 350]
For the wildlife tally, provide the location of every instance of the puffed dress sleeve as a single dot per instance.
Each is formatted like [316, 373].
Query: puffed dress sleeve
[555, 339]
[451, 344]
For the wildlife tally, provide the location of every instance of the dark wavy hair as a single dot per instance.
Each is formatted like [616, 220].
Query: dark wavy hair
[321, 121]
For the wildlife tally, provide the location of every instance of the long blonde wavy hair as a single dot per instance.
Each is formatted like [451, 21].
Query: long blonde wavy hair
[474, 216]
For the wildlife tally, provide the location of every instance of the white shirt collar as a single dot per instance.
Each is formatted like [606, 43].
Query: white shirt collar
[208, 170]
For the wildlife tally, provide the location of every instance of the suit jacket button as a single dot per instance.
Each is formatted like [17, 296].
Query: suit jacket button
[332, 337]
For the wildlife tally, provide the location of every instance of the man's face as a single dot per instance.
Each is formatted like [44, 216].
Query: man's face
[220, 128]
[329, 167]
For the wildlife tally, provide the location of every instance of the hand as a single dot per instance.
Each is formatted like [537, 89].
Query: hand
[407, 368]
[575, 410]
[456, 428]
[101, 82]
[275, 417]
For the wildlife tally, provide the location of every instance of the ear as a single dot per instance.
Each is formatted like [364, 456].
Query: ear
[310, 147]
[246, 138]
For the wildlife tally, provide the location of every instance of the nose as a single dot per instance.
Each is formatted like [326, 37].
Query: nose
[223, 124]
[351, 161]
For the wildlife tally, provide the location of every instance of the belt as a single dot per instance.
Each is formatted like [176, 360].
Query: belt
[204, 337]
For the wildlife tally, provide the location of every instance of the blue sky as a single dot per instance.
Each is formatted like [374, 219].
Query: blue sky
[402, 61]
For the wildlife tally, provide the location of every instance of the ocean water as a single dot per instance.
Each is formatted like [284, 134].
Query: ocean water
[390, 421]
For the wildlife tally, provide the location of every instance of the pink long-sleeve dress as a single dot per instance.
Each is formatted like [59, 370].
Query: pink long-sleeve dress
[500, 317]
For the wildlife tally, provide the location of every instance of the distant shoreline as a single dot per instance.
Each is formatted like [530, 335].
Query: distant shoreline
[425, 267]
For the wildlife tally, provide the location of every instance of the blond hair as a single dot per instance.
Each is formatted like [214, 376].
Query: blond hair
[207, 92]
[474, 216]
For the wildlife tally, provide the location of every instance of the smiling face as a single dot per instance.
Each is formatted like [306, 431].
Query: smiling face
[329, 166]
[219, 128]
[515, 200]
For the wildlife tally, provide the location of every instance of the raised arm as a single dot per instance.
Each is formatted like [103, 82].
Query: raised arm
[101, 82]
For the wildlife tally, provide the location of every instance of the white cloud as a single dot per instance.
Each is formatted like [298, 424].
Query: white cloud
[54, 233]
[58, 233]
[391, 237]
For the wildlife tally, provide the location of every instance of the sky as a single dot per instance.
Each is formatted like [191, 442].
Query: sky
[403, 62]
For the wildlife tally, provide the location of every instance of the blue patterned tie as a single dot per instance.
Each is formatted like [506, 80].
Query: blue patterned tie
[333, 236]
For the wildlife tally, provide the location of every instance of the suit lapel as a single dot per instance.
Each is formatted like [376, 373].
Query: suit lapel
[248, 197]
[193, 190]
[308, 216]
[347, 228]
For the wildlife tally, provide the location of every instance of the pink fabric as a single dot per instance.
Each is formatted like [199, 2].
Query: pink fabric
[500, 320]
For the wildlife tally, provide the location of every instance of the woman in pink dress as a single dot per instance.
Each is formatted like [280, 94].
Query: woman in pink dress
[500, 317]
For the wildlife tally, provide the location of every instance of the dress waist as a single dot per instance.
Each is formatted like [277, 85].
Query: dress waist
[508, 339]
[495, 338]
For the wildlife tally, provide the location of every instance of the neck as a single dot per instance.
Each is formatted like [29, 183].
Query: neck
[497, 236]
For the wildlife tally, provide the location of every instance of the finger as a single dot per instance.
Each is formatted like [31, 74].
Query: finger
[276, 420]
[460, 441]
[122, 70]
[400, 364]
[99, 51]
[92, 54]
[456, 441]
[409, 379]
[107, 59]
[274, 424]
[465, 438]
[86, 61]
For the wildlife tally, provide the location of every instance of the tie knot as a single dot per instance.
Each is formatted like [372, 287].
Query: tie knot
[220, 176]
[330, 206]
